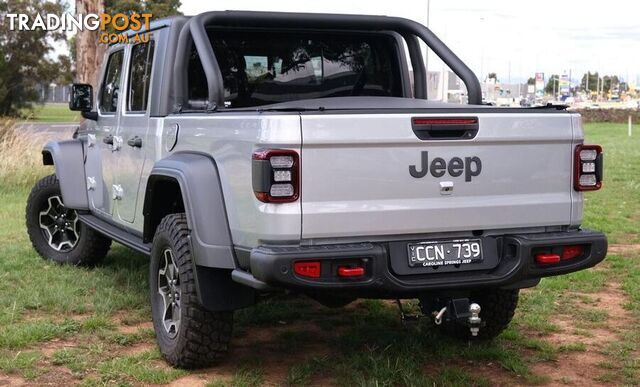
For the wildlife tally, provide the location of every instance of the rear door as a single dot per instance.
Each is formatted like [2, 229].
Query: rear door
[369, 174]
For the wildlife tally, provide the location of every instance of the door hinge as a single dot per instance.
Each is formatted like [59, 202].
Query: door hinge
[91, 140]
[117, 192]
[117, 143]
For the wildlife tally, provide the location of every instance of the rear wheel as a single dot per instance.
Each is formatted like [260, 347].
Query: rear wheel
[55, 231]
[498, 307]
[189, 336]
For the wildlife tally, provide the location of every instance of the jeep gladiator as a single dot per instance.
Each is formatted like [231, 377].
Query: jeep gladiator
[250, 152]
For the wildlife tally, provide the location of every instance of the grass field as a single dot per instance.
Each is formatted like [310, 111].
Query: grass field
[53, 112]
[91, 326]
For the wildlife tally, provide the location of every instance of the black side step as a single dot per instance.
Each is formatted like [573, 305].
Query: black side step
[115, 233]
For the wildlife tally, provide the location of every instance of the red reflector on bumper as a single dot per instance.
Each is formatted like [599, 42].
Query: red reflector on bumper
[547, 259]
[345, 271]
[571, 252]
[309, 269]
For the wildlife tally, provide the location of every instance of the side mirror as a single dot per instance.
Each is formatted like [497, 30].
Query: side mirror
[82, 100]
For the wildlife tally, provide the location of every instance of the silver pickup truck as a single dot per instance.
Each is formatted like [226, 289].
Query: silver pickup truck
[250, 152]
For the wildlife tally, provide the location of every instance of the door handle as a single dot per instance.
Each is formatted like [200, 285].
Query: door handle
[135, 142]
[108, 140]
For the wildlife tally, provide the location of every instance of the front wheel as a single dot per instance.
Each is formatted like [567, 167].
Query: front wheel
[189, 336]
[55, 231]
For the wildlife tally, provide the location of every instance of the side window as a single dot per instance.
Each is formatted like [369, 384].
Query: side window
[111, 84]
[140, 76]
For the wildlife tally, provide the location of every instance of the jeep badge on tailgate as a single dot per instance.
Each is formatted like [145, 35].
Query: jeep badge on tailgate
[471, 166]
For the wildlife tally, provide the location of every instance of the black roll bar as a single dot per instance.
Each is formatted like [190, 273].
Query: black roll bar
[194, 32]
[419, 70]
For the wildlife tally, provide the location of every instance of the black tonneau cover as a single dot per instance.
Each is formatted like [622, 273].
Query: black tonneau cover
[384, 104]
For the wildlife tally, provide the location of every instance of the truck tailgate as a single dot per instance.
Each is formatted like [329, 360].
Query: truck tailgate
[356, 178]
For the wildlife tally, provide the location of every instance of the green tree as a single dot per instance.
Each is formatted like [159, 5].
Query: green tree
[552, 84]
[593, 81]
[26, 56]
[531, 81]
[87, 52]
[158, 8]
[597, 83]
[610, 82]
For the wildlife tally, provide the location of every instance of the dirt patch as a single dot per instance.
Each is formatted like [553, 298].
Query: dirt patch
[9, 380]
[189, 381]
[136, 349]
[581, 367]
[624, 249]
[130, 329]
[50, 347]
[56, 376]
[574, 369]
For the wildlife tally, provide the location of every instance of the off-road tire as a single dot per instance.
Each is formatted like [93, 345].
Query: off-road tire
[498, 307]
[202, 338]
[91, 246]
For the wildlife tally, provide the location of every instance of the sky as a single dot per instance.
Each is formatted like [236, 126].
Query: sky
[512, 38]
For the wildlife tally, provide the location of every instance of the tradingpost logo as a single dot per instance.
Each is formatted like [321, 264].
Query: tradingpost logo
[104, 22]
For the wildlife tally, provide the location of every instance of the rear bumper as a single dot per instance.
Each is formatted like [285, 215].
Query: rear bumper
[508, 263]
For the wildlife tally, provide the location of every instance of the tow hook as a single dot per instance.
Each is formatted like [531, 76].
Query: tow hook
[438, 316]
[474, 319]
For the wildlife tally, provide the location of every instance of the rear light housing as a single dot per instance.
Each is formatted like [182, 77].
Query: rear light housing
[309, 269]
[350, 271]
[275, 175]
[588, 164]
[333, 270]
[547, 258]
[572, 252]
[558, 254]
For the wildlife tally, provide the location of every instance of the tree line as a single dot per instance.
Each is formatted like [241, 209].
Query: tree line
[595, 83]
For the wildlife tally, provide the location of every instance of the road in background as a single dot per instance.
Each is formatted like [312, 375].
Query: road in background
[48, 128]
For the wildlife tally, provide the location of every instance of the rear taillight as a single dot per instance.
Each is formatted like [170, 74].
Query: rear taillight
[275, 175]
[588, 168]
[350, 271]
[547, 259]
[310, 269]
[556, 254]
[572, 252]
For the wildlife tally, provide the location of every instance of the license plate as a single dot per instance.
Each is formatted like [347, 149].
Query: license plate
[456, 252]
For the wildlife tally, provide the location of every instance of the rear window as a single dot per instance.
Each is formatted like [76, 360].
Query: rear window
[260, 68]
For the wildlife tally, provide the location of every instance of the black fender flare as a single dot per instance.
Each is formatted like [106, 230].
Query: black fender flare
[68, 159]
[198, 178]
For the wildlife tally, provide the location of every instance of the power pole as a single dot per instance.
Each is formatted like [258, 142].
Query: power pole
[587, 87]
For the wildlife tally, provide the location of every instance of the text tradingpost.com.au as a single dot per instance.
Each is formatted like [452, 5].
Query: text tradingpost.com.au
[67, 22]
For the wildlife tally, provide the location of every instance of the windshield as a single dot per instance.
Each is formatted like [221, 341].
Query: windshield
[260, 68]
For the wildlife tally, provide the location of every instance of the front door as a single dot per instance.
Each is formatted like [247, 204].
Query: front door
[102, 143]
[134, 124]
